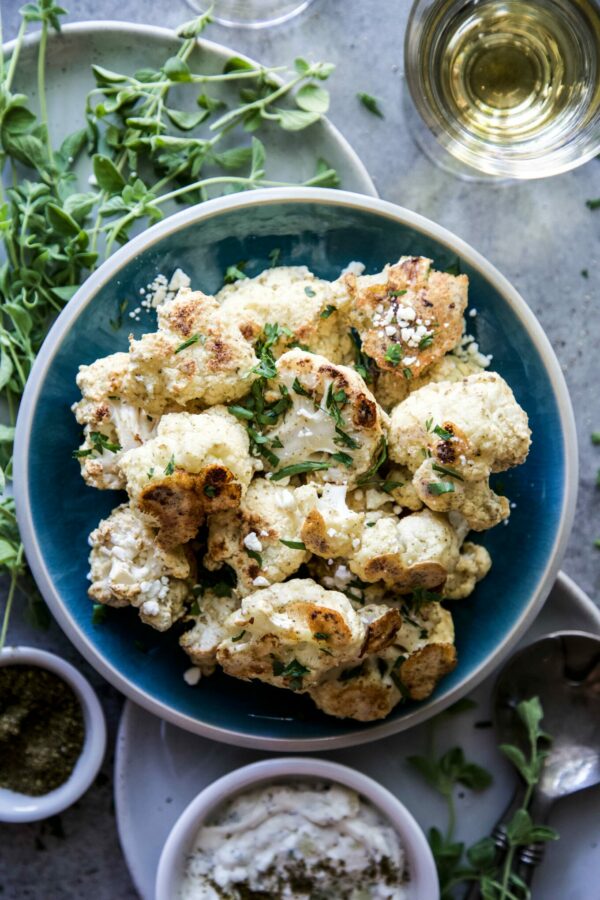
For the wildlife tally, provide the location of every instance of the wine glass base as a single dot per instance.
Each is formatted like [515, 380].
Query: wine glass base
[251, 13]
[437, 153]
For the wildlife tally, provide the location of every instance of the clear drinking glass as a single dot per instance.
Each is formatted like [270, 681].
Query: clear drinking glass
[251, 13]
[504, 88]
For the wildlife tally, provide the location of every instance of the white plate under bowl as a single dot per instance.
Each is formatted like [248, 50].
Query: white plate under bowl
[159, 768]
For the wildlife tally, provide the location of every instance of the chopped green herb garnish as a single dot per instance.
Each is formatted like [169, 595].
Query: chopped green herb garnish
[388, 486]
[295, 671]
[239, 636]
[298, 389]
[426, 341]
[235, 273]
[597, 543]
[195, 608]
[101, 443]
[293, 545]
[150, 473]
[379, 461]
[274, 257]
[210, 490]
[370, 524]
[394, 354]
[397, 293]
[595, 437]
[99, 614]
[328, 311]
[79, 454]
[443, 433]
[277, 666]
[345, 439]
[370, 103]
[255, 556]
[334, 400]
[593, 204]
[309, 292]
[428, 424]
[344, 458]
[299, 469]
[170, 467]
[364, 365]
[407, 374]
[454, 267]
[241, 412]
[447, 470]
[440, 487]
[193, 340]
[321, 636]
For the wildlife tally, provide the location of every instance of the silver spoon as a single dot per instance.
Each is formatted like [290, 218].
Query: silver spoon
[563, 670]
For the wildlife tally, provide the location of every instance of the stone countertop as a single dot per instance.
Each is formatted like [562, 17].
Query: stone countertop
[539, 234]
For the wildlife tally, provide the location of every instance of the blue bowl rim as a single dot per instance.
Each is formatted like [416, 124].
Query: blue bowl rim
[107, 271]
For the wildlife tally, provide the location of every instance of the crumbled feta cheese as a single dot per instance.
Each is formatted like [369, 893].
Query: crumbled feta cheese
[150, 608]
[260, 581]
[251, 542]
[192, 676]
[353, 268]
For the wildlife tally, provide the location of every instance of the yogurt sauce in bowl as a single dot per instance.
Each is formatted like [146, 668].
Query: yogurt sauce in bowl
[295, 841]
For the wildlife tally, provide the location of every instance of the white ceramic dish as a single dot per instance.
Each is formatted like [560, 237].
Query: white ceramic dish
[159, 768]
[16, 807]
[423, 883]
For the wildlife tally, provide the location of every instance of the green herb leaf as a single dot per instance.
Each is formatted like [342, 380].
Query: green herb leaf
[313, 98]
[436, 488]
[293, 545]
[170, 467]
[394, 354]
[328, 311]
[446, 470]
[299, 469]
[593, 204]
[442, 433]
[370, 103]
[107, 175]
[238, 637]
[192, 340]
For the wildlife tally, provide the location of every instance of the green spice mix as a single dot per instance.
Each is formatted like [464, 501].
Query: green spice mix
[41, 730]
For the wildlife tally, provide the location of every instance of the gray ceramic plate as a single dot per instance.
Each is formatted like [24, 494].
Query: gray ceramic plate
[159, 768]
[126, 47]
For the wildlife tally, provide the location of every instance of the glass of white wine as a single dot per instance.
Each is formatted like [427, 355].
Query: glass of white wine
[504, 88]
[251, 13]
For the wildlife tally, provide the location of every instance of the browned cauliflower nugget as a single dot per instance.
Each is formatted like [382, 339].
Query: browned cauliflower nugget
[128, 568]
[453, 436]
[333, 419]
[408, 316]
[197, 356]
[195, 465]
[290, 634]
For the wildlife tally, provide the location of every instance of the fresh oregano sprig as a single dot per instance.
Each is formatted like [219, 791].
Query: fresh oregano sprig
[147, 152]
[457, 865]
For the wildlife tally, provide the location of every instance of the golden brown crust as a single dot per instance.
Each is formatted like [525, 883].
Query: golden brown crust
[422, 670]
[388, 569]
[180, 502]
[382, 631]
[362, 698]
[321, 620]
[314, 535]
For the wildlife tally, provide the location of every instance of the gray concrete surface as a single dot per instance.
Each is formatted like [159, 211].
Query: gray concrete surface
[539, 234]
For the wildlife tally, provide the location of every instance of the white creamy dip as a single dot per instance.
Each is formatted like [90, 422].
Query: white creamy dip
[296, 842]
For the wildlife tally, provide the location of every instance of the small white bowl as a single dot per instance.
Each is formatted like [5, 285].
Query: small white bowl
[16, 807]
[423, 884]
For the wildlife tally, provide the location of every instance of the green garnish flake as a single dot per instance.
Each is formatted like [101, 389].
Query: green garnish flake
[407, 374]
[294, 670]
[99, 614]
[79, 454]
[595, 437]
[443, 433]
[170, 466]
[388, 486]
[344, 458]
[192, 340]
[210, 490]
[328, 311]
[321, 636]
[309, 292]
[370, 524]
[101, 443]
[397, 293]
[440, 487]
[239, 636]
[394, 354]
[241, 412]
[447, 470]
[345, 439]
[298, 389]
[381, 457]
[597, 543]
[593, 204]
[428, 424]
[426, 341]
[299, 469]
[369, 102]
[293, 545]
[274, 257]
[150, 473]
[235, 273]
[334, 402]
[253, 554]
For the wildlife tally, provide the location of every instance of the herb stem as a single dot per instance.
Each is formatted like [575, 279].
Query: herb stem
[41, 83]
[12, 66]
[258, 104]
[11, 594]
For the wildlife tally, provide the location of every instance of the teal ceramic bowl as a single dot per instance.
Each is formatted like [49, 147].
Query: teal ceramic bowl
[325, 230]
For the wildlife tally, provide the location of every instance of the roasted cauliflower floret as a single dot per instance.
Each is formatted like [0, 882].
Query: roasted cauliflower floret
[197, 356]
[330, 528]
[333, 421]
[111, 424]
[127, 568]
[416, 551]
[391, 390]
[195, 465]
[310, 309]
[250, 539]
[201, 641]
[466, 430]
[474, 564]
[421, 653]
[408, 316]
[290, 634]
